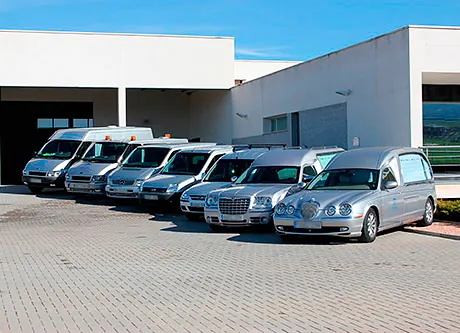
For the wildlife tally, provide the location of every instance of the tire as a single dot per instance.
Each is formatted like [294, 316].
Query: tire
[370, 227]
[35, 189]
[216, 228]
[428, 216]
[192, 217]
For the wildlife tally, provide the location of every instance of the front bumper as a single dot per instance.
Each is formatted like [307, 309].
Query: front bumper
[250, 218]
[37, 181]
[85, 188]
[192, 206]
[122, 192]
[154, 197]
[342, 227]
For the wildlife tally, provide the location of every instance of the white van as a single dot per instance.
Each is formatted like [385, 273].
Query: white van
[65, 147]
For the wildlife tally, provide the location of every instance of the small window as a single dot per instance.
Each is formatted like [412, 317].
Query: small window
[388, 176]
[278, 124]
[90, 122]
[61, 123]
[44, 123]
[213, 161]
[80, 123]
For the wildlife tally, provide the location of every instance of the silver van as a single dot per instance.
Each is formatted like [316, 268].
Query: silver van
[222, 174]
[272, 176]
[89, 175]
[184, 170]
[65, 147]
[143, 163]
[362, 192]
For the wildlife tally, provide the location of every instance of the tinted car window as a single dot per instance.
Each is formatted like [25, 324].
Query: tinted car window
[186, 164]
[225, 169]
[346, 179]
[271, 175]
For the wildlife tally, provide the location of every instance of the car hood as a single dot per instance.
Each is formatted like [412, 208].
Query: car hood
[132, 173]
[45, 165]
[328, 198]
[163, 181]
[83, 168]
[206, 187]
[276, 192]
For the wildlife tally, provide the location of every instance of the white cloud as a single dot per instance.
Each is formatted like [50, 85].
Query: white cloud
[276, 51]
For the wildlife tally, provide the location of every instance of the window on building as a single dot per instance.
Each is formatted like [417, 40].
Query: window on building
[60, 123]
[44, 123]
[278, 124]
[80, 122]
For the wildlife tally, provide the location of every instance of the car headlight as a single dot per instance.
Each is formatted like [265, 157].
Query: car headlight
[262, 202]
[172, 188]
[280, 209]
[330, 211]
[345, 209]
[139, 182]
[54, 173]
[211, 200]
[99, 178]
[185, 197]
[290, 209]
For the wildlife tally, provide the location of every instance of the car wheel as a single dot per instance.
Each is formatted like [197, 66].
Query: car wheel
[35, 189]
[216, 228]
[428, 217]
[370, 226]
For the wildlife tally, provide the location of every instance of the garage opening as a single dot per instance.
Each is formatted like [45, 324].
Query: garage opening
[26, 126]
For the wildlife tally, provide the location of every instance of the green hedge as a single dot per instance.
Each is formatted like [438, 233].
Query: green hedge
[449, 210]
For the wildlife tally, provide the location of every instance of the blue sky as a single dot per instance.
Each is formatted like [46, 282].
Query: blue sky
[263, 29]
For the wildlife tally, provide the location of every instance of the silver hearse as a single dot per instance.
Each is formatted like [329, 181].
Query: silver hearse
[89, 175]
[143, 163]
[184, 170]
[65, 147]
[222, 174]
[272, 176]
[360, 193]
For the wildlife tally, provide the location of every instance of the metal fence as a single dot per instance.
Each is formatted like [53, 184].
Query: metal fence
[443, 155]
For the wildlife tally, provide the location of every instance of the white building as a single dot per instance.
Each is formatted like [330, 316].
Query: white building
[402, 88]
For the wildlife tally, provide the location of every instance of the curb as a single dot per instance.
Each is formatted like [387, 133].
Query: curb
[431, 233]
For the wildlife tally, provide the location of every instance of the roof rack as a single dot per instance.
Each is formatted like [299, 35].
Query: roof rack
[323, 147]
[259, 145]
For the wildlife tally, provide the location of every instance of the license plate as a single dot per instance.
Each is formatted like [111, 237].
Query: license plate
[307, 225]
[151, 197]
[35, 180]
[232, 218]
[197, 204]
[79, 185]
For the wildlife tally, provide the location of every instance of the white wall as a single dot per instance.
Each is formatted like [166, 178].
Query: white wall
[52, 59]
[252, 69]
[435, 54]
[377, 72]
[104, 100]
[211, 116]
[164, 112]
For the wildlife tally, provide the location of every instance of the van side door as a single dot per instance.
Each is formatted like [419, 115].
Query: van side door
[416, 186]
[391, 199]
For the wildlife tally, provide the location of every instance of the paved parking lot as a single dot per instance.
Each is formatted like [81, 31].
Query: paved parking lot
[87, 266]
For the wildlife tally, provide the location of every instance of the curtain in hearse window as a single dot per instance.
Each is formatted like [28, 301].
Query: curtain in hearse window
[413, 168]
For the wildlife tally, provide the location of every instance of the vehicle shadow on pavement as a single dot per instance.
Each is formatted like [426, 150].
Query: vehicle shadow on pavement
[272, 238]
[14, 189]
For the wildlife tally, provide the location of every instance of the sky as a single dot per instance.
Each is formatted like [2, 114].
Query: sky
[263, 29]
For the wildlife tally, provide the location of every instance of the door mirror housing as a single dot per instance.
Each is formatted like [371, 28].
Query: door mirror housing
[307, 178]
[234, 179]
[391, 184]
[301, 185]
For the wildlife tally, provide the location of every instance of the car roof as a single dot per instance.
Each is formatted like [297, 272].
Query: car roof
[245, 154]
[368, 158]
[209, 149]
[291, 157]
[168, 141]
[189, 145]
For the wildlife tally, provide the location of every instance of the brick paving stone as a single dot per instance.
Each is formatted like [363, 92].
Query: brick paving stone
[84, 265]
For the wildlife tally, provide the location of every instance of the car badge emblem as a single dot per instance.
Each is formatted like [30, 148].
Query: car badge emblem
[122, 182]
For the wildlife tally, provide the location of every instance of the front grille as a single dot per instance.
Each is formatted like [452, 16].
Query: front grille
[36, 173]
[116, 194]
[309, 210]
[154, 190]
[234, 206]
[123, 182]
[313, 231]
[198, 197]
[81, 178]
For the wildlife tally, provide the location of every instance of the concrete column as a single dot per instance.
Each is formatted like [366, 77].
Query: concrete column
[122, 106]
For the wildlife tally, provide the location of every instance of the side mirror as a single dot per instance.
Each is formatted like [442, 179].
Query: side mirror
[34, 154]
[307, 178]
[391, 184]
[301, 185]
[234, 179]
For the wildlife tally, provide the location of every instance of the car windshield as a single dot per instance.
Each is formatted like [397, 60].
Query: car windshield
[225, 169]
[105, 152]
[186, 164]
[346, 179]
[146, 157]
[270, 175]
[59, 149]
